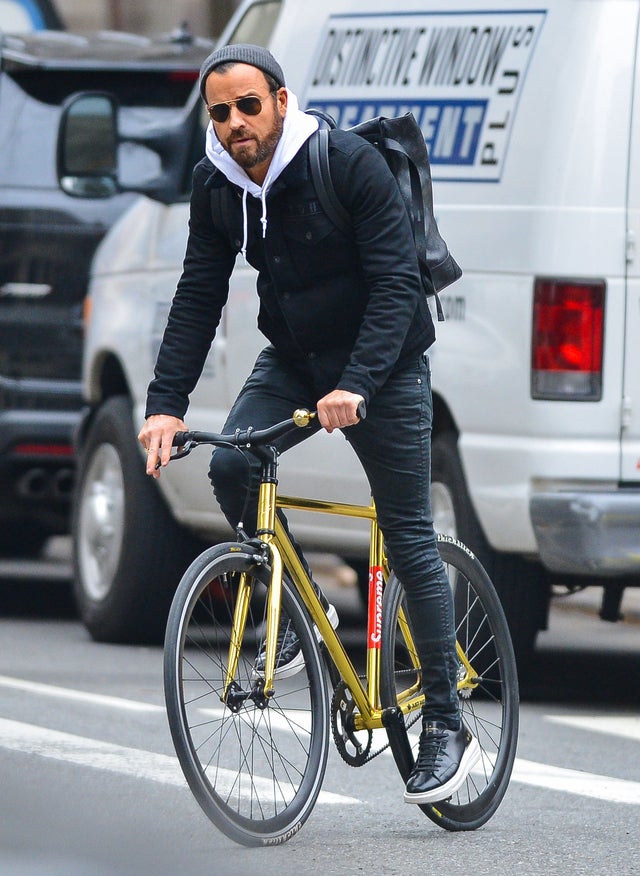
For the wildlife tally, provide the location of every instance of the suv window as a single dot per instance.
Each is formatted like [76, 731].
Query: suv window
[131, 87]
[257, 24]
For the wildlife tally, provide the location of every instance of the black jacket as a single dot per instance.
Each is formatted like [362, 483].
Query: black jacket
[348, 310]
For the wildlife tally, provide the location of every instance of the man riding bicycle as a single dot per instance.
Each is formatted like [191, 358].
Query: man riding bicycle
[347, 321]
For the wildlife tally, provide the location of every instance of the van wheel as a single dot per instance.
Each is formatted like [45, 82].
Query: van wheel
[128, 552]
[523, 587]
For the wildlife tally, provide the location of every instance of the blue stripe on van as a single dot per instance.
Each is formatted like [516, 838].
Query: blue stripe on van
[451, 127]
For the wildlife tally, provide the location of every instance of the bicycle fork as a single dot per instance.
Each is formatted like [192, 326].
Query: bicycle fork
[262, 689]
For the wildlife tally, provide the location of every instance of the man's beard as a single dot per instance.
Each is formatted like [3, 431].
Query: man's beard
[264, 148]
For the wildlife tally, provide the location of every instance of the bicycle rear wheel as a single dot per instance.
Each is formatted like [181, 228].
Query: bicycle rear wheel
[488, 687]
[255, 766]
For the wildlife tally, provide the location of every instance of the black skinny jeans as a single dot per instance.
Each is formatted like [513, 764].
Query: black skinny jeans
[397, 464]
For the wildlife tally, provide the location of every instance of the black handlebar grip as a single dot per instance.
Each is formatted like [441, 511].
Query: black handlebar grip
[361, 410]
[180, 439]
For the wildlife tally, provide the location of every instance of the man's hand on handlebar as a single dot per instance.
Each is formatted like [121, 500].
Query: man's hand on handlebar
[339, 409]
[156, 436]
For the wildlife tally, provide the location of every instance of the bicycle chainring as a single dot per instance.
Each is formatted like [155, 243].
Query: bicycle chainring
[353, 746]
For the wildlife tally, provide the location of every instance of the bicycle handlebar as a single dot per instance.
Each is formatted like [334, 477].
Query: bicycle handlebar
[246, 437]
[301, 419]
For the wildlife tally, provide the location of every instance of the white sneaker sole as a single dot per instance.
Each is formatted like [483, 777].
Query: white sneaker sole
[294, 666]
[470, 758]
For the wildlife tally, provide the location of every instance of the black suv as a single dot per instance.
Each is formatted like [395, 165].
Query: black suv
[48, 237]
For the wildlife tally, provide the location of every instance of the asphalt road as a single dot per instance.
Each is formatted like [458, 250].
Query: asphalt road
[90, 785]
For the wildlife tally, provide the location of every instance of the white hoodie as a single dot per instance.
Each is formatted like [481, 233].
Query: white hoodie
[296, 130]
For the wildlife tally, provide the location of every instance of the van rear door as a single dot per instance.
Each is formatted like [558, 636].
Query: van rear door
[630, 451]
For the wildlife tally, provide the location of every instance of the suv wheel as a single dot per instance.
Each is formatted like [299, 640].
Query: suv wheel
[128, 551]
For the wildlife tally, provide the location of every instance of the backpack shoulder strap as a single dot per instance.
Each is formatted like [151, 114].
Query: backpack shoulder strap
[323, 184]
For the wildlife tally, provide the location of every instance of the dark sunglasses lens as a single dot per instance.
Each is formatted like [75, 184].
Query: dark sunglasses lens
[219, 112]
[249, 106]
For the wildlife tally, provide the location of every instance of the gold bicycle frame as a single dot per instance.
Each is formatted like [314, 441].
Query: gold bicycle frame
[283, 554]
[367, 701]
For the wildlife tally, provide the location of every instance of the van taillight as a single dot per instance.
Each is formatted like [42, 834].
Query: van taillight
[567, 339]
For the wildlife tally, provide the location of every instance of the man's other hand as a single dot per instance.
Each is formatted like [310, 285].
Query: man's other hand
[339, 409]
[156, 436]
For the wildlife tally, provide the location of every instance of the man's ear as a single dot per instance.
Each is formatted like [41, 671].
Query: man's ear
[281, 98]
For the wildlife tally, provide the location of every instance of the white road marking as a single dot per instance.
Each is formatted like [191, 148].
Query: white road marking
[137, 763]
[584, 784]
[93, 753]
[625, 726]
[51, 690]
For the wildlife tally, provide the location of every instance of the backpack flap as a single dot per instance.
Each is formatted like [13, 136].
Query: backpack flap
[404, 149]
[402, 143]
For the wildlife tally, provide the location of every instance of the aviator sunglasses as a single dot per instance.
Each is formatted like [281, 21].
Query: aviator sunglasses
[248, 106]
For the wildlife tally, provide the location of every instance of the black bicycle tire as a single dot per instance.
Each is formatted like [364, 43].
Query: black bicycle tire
[450, 815]
[247, 831]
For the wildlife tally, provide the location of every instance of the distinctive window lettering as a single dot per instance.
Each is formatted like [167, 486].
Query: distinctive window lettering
[460, 74]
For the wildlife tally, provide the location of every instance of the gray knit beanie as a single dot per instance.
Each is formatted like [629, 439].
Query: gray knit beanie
[256, 56]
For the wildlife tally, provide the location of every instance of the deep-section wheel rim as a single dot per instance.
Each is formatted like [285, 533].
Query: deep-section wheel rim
[489, 702]
[256, 771]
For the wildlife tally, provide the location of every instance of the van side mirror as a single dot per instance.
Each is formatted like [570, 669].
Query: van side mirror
[96, 161]
[88, 146]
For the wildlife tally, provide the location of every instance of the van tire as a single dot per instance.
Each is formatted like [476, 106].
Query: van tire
[128, 552]
[523, 587]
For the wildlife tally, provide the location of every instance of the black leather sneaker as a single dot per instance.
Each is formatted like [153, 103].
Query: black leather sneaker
[445, 758]
[289, 658]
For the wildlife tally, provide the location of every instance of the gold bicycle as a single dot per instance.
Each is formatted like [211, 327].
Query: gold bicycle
[253, 747]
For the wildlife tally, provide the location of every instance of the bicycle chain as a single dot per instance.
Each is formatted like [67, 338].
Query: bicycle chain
[342, 703]
[336, 701]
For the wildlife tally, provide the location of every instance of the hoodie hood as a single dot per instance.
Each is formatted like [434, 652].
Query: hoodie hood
[296, 129]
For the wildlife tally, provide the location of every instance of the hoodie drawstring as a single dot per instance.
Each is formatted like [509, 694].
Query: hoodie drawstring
[245, 223]
[263, 218]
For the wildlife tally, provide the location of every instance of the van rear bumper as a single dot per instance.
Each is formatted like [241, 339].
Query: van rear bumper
[588, 533]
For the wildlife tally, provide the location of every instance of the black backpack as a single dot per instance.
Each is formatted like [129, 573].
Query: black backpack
[403, 147]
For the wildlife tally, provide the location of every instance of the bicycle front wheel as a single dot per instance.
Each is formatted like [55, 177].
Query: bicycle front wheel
[487, 687]
[254, 765]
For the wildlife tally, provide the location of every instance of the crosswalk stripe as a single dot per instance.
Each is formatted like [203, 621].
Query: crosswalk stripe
[30, 739]
[624, 726]
[50, 690]
[604, 788]
[82, 751]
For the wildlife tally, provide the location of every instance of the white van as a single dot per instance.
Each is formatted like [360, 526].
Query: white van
[532, 118]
